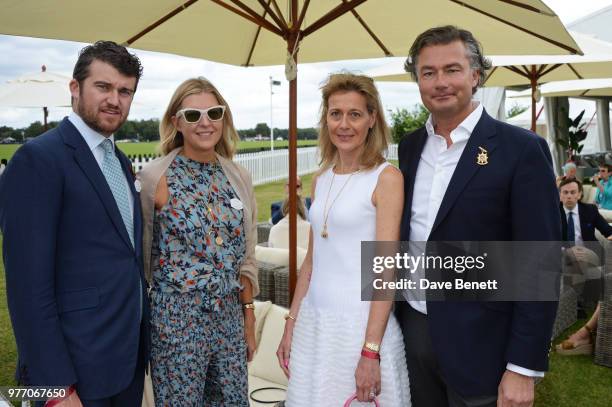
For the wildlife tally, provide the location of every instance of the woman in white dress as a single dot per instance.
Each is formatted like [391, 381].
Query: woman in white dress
[335, 344]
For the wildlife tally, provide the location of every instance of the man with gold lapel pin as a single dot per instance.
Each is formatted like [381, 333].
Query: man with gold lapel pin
[469, 177]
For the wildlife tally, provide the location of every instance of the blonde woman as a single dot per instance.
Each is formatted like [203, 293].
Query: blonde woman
[335, 344]
[199, 242]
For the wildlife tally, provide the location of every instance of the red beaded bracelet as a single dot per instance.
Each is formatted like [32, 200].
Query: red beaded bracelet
[369, 354]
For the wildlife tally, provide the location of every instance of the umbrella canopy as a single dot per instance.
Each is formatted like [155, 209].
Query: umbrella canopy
[265, 32]
[229, 31]
[531, 70]
[41, 89]
[575, 88]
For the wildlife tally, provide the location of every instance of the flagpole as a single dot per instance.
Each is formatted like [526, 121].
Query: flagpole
[272, 84]
[271, 123]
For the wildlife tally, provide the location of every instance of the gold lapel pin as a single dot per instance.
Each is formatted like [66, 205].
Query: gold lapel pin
[483, 157]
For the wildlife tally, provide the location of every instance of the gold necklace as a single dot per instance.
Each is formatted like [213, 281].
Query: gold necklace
[218, 238]
[326, 210]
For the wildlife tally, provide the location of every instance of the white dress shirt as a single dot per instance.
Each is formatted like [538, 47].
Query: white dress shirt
[435, 170]
[576, 218]
[94, 141]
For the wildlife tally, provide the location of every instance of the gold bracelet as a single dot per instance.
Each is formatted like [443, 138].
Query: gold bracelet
[371, 346]
[289, 316]
[249, 305]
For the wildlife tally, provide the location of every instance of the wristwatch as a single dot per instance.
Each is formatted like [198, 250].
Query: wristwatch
[249, 305]
[374, 347]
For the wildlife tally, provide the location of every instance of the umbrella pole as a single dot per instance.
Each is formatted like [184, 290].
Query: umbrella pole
[291, 47]
[292, 186]
[534, 84]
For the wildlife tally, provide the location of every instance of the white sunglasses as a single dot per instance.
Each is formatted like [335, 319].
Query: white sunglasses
[192, 115]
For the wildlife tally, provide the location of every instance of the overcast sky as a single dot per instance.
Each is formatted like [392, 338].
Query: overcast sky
[247, 90]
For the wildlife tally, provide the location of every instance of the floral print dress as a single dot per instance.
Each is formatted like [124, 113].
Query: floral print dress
[198, 351]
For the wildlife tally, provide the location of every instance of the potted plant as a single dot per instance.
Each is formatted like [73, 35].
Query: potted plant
[571, 134]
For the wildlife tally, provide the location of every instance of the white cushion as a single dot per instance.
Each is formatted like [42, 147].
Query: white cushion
[588, 193]
[279, 234]
[278, 256]
[265, 363]
[261, 311]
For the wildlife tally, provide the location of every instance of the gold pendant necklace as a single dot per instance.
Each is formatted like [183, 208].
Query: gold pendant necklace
[218, 239]
[209, 212]
[326, 210]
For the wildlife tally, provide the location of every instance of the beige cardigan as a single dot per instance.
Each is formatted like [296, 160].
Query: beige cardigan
[240, 180]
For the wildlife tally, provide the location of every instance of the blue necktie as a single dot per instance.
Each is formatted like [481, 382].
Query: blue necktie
[571, 232]
[111, 168]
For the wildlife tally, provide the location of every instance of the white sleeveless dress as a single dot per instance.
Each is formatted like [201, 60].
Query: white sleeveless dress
[330, 329]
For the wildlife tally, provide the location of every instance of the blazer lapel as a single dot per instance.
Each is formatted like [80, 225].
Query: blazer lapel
[482, 136]
[85, 159]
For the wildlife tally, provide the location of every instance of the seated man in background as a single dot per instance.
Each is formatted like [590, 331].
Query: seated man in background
[585, 217]
[276, 207]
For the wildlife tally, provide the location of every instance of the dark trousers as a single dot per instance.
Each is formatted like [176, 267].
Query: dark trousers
[427, 385]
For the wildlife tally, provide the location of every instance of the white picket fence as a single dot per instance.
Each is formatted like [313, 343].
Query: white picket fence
[270, 166]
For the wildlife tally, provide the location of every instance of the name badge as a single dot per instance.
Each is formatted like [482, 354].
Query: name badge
[137, 185]
[236, 204]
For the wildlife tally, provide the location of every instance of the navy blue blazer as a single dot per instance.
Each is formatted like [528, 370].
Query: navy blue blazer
[72, 275]
[590, 219]
[512, 198]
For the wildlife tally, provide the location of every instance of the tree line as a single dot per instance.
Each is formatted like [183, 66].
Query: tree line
[148, 130]
[403, 122]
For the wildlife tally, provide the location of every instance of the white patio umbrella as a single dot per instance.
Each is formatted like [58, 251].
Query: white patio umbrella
[268, 32]
[40, 90]
[586, 88]
[530, 70]
[575, 88]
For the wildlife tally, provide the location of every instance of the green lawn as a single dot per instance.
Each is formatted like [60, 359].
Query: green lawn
[574, 381]
[7, 150]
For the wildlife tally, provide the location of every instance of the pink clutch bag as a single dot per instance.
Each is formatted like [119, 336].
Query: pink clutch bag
[353, 397]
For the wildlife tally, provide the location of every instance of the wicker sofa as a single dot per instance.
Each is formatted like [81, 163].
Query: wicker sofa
[272, 263]
[603, 341]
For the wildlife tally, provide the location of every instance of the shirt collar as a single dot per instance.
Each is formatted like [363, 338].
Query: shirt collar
[465, 128]
[574, 211]
[92, 137]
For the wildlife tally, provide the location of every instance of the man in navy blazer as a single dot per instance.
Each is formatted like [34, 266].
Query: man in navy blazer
[73, 244]
[469, 177]
[586, 216]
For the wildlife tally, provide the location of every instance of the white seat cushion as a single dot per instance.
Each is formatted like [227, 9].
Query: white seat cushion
[265, 363]
[278, 256]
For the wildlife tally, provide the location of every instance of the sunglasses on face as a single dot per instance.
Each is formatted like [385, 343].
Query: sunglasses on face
[191, 115]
